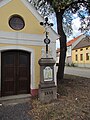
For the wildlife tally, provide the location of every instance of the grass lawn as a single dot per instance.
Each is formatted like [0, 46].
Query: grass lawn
[73, 101]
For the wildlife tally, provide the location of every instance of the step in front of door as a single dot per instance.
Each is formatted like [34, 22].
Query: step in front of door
[15, 99]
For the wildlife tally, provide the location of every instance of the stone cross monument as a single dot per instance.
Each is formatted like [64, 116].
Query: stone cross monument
[47, 87]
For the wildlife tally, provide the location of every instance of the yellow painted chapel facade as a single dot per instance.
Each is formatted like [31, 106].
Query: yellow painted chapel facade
[21, 42]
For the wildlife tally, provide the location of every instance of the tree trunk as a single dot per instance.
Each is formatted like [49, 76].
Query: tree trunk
[63, 47]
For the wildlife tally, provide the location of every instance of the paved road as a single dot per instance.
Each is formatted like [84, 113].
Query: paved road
[83, 72]
[15, 112]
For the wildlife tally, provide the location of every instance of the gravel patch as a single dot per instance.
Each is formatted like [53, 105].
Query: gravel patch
[15, 111]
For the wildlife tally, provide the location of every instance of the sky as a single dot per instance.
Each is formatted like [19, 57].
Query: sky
[75, 27]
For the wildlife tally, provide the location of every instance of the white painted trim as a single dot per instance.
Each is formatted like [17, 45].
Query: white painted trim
[23, 42]
[4, 2]
[23, 38]
[32, 61]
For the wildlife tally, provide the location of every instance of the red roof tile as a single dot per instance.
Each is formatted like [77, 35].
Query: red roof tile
[69, 43]
[73, 40]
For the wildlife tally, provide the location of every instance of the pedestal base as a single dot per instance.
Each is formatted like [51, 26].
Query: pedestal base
[47, 94]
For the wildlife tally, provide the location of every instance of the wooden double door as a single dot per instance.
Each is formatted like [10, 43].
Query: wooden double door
[15, 72]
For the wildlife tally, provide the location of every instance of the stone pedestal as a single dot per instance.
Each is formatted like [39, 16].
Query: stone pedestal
[47, 88]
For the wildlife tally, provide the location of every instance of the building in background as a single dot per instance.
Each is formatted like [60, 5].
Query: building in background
[81, 53]
[69, 49]
[78, 52]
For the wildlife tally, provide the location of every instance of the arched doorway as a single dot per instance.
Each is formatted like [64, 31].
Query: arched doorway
[15, 72]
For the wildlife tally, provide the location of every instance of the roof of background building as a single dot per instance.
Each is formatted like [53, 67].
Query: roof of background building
[69, 43]
[72, 41]
[85, 42]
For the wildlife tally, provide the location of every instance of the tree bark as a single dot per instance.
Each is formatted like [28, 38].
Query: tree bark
[63, 47]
